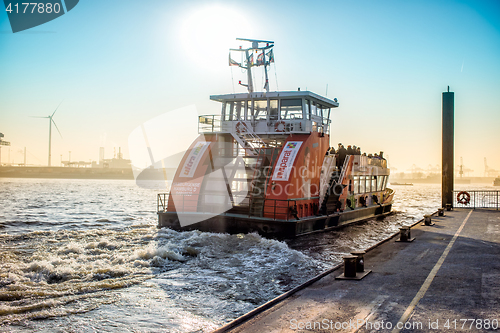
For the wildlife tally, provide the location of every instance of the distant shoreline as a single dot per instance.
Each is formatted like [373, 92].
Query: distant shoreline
[64, 172]
[437, 180]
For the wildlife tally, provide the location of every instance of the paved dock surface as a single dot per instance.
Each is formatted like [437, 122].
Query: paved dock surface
[447, 280]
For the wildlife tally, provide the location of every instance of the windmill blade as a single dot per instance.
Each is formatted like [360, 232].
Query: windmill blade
[56, 109]
[56, 126]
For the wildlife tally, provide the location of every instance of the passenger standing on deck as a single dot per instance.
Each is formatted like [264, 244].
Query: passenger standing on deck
[349, 150]
[342, 153]
[358, 151]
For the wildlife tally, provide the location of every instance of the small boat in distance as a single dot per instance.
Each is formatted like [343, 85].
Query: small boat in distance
[264, 165]
[402, 184]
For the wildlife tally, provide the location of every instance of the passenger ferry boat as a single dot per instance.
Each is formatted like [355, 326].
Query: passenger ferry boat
[263, 165]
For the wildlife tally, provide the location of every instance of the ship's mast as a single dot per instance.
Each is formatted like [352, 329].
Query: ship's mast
[263, 59]
[249, 71]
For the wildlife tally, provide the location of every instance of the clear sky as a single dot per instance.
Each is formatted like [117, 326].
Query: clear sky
[116, 64]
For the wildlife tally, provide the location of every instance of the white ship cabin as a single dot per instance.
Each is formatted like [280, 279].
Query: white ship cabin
[271, 113]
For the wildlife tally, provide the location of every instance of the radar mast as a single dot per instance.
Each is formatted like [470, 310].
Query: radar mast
[264, 58]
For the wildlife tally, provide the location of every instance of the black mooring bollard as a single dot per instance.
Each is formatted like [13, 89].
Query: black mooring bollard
[449, 207]
[354, 267]
[360, 260]
[440, 211]
[350, 266]
[427, 220]
[405, 235]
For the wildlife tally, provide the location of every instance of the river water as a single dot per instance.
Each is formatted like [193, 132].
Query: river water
[86, 256]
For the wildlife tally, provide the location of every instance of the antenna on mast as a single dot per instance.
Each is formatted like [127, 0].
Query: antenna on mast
[264, 57]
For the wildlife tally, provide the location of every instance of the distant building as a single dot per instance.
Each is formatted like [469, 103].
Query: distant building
[114, 163]
[101, 155]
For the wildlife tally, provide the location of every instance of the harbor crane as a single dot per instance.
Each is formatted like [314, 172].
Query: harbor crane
[2, 143]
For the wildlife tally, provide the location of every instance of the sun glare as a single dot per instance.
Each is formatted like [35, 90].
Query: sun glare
[207, 33]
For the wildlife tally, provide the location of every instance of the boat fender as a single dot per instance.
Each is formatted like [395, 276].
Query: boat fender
[294, 212]
[463, 198]
[279, 126]
[338, 189]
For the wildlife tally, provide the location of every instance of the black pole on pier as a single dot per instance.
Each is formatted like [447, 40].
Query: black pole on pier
[447, 163]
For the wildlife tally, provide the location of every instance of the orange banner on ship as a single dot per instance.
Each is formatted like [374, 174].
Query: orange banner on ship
[285, 162]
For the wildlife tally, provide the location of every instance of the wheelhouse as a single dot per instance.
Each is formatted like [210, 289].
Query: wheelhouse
[270, 113]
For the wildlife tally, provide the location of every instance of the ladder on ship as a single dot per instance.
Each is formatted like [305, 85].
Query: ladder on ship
[261, 178]
[259, 171]
[335, 188]
[247, 138]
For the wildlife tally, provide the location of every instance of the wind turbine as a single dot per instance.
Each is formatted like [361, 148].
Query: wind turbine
[50, 127]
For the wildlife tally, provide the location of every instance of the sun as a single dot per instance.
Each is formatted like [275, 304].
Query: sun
[207, 33]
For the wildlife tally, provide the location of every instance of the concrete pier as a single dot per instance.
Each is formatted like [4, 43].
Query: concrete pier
[448, 279]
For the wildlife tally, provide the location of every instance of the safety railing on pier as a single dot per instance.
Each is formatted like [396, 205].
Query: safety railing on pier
[477, 199]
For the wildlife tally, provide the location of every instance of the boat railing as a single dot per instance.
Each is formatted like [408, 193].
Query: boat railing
[209, 123]
[344, 168]
[477, 199]
[377, 161]
[276, 209]
[363, 161]
[214, 124]
[161, 202]
[290, 209]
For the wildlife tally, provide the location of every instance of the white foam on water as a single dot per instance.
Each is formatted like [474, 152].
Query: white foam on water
[213, 270]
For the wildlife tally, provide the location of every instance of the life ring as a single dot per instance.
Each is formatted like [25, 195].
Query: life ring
[463, 198]
[241, 127]
[279, 128]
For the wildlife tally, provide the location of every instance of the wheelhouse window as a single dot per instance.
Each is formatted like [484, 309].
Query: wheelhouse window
[228, 111]
[240, 110]
[273, 107]
[362, 184]
[326, 115]
[249, 112]
[356, 184]
[380, 183]
[319, 110]
[314, 109]
[291, 109]
[307, 106]
[374, 184]
[260, 109]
